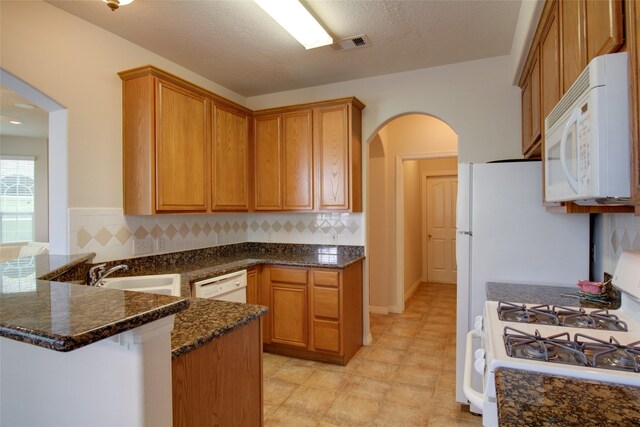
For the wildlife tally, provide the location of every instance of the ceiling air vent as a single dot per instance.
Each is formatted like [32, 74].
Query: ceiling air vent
[355, 42]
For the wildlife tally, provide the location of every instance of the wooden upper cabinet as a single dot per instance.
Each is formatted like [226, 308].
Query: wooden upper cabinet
[230, 160]
[531, 122]
[574, 49]
[550, 63]
[297, 162]
[633, 37]
[267, 146]
[339, 152]
[181, 149]
[604, 27]
[526, 115]
[165, 146]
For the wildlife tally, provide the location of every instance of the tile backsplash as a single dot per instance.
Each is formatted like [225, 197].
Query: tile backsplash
[614, 233]
[112, 235]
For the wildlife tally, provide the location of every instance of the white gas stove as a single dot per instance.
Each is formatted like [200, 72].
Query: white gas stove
[594, 344]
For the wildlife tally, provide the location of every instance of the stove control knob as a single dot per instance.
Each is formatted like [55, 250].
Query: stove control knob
[479, 365]
[479, 353]
[477, 324]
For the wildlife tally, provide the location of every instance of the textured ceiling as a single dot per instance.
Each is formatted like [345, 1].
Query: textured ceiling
[235, 44]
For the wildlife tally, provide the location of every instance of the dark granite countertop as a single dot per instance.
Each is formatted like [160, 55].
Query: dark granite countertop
[65, 317]
[45, 266]
[543, 294]
[528, 399]
[208, 319]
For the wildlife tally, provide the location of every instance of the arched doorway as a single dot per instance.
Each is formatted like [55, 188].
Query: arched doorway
[405, 138]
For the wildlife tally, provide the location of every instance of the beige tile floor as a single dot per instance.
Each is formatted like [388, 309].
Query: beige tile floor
[406, 378]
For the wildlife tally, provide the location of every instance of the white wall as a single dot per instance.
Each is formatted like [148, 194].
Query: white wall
[37, 148]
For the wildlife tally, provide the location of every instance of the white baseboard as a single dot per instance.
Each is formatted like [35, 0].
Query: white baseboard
[378, 309]
[395, 309]
[412, 290]
[368, 340]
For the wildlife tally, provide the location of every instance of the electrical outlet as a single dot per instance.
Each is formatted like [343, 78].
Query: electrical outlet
[143, 246]
[334, 237]
[160, 244]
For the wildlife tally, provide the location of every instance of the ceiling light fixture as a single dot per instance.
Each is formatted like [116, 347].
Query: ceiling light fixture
[114, 4]
[15, 122]
[297, 20]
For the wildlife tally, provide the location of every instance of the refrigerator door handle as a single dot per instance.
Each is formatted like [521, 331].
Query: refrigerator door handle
[466, 233]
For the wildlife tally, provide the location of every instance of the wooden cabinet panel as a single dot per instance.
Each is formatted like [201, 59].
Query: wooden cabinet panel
[326, 336]
[633, 35]
[574, 52]
[326, 302]
[550, 64]
[326, 278]
[536, 118]
[289, 314]
[181, 149]
[289, 275]
[333, 154]
[252, 286]
[268, 183]
[297, 161]
[526, 116]
[220, 383]
[230, 158]
[604, 27]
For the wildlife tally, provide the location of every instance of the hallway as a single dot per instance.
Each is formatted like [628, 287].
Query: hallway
[400, 380]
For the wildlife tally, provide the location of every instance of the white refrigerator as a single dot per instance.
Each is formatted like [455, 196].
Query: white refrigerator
[504, 234]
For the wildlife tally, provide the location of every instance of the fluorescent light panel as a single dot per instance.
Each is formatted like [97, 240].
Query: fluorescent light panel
[297, 20]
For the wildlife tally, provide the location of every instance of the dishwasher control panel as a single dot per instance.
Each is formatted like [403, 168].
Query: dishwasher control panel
[230, 287]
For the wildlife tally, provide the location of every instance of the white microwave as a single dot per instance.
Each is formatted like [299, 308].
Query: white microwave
[587, 137]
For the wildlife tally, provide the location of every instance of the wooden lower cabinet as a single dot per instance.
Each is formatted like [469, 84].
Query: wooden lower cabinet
[314, 313]
[220, 383]
[253, 278]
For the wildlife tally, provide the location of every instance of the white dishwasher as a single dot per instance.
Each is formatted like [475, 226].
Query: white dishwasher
[230, 287]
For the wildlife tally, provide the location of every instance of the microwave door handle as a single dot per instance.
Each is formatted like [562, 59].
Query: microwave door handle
[573, 119]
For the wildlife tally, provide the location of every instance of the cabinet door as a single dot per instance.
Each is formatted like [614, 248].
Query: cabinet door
[181, 149]
[230, 157]
[252, 286]
[289, 314]
[333, 157]
[574, 51]
[550, 63]
[267, 163]
[297, 161]
[526, 115]
[536, 120]
[633, 12]
[604, 27]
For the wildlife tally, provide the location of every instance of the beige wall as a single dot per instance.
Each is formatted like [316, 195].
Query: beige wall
[37, 148]
[439, 166]
[412, 224]
[406, 136]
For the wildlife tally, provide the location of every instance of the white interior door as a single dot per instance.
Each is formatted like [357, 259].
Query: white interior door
[442, 194]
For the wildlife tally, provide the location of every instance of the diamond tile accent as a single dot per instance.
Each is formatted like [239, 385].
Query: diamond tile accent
[288, 226]
[339, 227]
[244, 226]
[254, 226]
[217, 227]
[207, 229]
[236, 226]
[83, 238]
[196, 229]
[265, 226]
[156, 231]
[300, 226]
[123, 235]
[313, 226]
[226, 227]
[353, 227]
[183, 230]
[325, 227]
[171, 231]
[276, 226]
[614, 241]
[636, 242]
[625, 242]
[103, 236]
[141, 233]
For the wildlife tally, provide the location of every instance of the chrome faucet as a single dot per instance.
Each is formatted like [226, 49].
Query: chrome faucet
[98, 273]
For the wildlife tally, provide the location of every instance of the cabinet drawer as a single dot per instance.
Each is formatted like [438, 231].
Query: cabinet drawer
[286, 275]
[326, 335]
[326, 302]
[326, 278]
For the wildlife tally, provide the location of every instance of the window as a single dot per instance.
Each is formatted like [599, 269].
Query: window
[17, 190]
